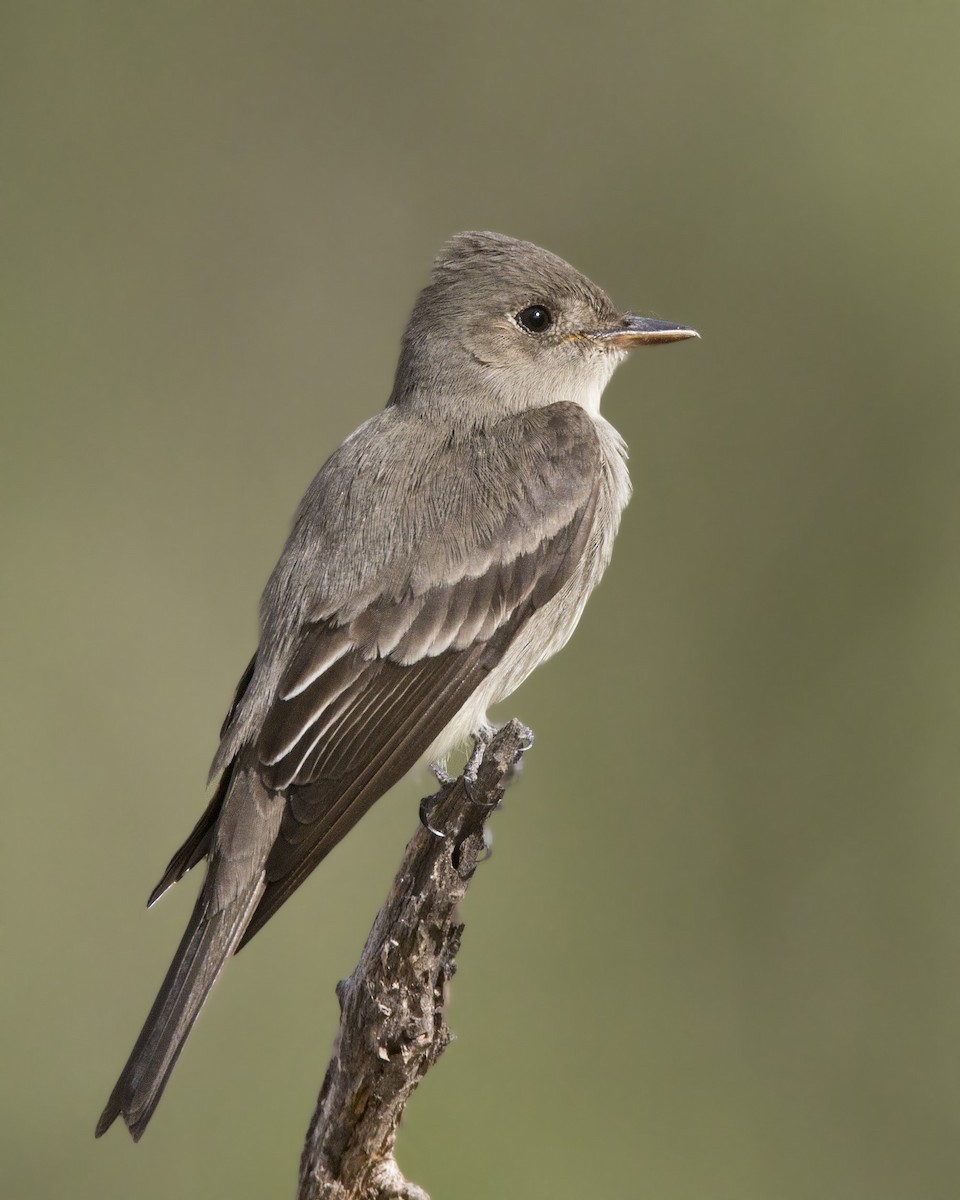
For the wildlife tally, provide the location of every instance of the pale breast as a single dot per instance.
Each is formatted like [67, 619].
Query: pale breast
[549, 629]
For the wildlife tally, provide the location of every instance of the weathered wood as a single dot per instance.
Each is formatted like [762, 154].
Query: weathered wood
[392, 1026]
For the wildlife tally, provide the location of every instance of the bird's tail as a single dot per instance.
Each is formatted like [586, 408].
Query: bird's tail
[209, 940]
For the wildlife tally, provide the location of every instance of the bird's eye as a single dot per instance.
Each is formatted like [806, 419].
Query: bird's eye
[535, 319]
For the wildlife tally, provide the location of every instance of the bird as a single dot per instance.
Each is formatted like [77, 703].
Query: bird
[443, 551]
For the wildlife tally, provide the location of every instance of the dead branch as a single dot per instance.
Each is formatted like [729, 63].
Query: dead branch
[392, 1026]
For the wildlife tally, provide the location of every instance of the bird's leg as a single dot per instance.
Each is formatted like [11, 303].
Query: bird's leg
[481, 740]
[439, 771]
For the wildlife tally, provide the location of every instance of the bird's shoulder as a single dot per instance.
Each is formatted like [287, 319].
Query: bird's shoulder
[406, 503]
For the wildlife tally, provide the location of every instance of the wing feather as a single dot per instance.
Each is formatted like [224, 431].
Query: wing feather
[290, 721]
[434, 698]
[367, 687]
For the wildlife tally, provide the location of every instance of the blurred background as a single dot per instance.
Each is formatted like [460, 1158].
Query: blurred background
[737, 976]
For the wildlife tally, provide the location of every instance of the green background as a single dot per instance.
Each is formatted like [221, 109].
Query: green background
[716, 955]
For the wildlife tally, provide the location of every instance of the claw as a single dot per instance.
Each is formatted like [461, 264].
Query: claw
[468, 784]
[427, 805]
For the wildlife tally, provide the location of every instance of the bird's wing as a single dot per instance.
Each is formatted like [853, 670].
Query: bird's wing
[197, 845]
[364, 694]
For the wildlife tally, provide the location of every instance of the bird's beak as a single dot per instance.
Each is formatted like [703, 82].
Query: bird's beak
[643, 331]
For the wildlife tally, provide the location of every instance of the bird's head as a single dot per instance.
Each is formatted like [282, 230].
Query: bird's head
[504, 326]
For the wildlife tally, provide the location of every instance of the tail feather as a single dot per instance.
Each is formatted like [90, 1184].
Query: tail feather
[208, 942]
[198, 844]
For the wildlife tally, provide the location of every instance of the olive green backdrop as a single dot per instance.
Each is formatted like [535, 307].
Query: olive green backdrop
[716, 954]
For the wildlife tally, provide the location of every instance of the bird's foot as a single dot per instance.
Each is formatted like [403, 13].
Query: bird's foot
[427, 805]
[481, 740]
[440, 773]
[525, 746]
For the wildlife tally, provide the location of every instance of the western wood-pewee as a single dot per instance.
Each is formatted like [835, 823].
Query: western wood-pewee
[443, 551]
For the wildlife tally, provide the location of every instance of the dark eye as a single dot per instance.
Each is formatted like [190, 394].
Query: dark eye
[535, 319]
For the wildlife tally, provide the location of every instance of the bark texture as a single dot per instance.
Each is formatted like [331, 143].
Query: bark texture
[392, 1025]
